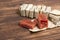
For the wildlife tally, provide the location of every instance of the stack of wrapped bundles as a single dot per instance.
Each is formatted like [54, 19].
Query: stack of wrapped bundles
[32, 11]
[22, 9]
[55, 17]
[28, 10]
[37, 11]
[44, 17]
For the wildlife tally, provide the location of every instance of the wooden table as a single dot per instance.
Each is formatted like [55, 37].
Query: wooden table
[9, 19]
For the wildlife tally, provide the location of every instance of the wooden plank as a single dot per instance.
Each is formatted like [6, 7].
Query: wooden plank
[48, 37]
[9, 19]
[43, 33]
[17, 2]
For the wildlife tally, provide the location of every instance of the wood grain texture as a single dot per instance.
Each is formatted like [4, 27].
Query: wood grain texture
[9, 19]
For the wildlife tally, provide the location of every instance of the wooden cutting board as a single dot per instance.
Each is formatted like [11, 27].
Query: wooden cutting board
[9, 19]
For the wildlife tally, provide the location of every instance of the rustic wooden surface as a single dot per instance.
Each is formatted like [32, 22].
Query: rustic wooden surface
[9, 18]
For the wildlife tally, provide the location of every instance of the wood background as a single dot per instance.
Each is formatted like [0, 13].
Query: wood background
[9, 19]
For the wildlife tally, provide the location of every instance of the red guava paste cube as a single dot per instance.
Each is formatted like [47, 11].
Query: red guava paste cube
[27, 23]
[42, 21]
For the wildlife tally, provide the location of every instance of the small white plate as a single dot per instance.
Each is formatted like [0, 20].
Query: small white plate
[36, 29]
